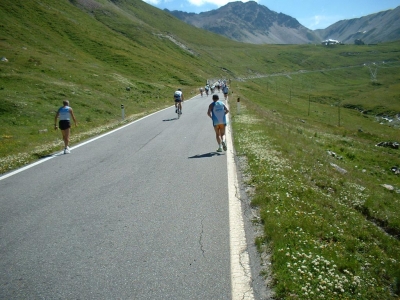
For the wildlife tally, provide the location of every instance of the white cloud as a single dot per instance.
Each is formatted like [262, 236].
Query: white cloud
[218, 3]
[152, 2]
[198, 2]
[319, 21]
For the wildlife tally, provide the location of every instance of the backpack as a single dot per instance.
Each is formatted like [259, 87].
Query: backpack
[177, 95]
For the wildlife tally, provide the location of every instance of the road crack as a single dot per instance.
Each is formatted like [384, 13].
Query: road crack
[201, 238]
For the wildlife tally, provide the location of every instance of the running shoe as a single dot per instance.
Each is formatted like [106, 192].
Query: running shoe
[219, 150]
[224, 145]
[67, 151]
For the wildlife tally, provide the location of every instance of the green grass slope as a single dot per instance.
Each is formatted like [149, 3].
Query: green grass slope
[327, 195]
[90, 57]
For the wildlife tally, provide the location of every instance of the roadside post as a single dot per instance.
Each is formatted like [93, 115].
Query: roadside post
[238, 105]
[122, 112]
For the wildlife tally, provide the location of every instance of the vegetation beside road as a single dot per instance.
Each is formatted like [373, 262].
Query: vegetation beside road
[317, 177]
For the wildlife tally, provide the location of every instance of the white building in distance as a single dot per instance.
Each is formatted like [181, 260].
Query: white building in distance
[330, 42]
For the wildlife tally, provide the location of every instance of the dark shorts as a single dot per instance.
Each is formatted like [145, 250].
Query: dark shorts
[64, 124]
[177, 100]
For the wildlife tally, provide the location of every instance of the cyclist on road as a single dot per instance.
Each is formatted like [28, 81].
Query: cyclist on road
[207, 88]
[217, 111]
[212, 89]
[201, 91]
[178, 97]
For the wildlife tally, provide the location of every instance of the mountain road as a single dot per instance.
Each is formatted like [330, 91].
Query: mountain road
[142, 212]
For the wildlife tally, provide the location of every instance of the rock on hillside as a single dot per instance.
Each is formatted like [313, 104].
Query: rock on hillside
[250, 23]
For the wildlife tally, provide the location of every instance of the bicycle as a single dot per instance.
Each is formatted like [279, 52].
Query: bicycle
[178, 111]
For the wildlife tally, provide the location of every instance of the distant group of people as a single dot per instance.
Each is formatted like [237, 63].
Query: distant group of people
[219, 85]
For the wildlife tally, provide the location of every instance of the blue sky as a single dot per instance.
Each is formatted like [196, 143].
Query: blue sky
[313, 14]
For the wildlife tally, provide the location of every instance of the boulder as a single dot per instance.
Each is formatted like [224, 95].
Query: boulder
[339, 169]
[395, 170]
[393, 145]
[388, 187]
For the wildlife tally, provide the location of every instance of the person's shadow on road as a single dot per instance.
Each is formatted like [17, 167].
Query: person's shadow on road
[205, 155]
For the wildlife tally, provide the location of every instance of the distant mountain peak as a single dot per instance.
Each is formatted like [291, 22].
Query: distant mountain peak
[253, 23]
[250, 22]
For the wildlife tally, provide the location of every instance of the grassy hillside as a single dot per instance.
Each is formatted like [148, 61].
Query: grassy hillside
[308, 113]
[61, 51]
[327, 195]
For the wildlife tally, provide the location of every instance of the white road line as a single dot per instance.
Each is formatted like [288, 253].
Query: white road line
[77, 146]
[241, 279]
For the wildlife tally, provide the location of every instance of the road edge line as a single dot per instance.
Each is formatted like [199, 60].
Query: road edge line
[42, 160]
[241, 279]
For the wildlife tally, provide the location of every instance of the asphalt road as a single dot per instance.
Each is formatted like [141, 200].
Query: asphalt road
[141, 213]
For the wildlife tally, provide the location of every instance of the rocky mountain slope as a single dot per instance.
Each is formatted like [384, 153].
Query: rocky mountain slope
[253, 23]
[376, 28]
[250, 23]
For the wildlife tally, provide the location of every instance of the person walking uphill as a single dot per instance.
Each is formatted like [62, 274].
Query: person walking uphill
[65, 113]
[217, 111]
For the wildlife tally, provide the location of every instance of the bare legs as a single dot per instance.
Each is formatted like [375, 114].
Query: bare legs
[178, 105]
[220, 133]
[65, 135]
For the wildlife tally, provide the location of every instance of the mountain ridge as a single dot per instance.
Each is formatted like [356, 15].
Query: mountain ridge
[253, 23]
[379, 27]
